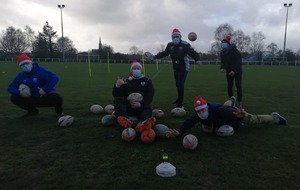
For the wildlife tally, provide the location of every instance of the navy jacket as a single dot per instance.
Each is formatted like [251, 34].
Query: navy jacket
[231, 59]
[179, 54]
[142, 85]
[218, 115]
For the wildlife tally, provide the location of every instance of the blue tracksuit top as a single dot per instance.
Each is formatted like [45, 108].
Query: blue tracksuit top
[37, 77]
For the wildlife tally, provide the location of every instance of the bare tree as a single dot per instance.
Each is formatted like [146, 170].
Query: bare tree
[241, 40]
[272, 50]
[13, 41]
[161, 48]
[222, 31]
[134, 50]
[257, 42]
[29, 37]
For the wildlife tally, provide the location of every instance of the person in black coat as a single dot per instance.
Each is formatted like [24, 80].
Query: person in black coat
[231, 64]
[213, 115]
[135, 83]
[180, 51]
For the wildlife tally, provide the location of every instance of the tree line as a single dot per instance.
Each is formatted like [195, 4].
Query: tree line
[47, 44]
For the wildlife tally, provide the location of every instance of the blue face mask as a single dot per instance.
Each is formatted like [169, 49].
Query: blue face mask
[176, 40]
[203, 115]
[26, 67]
[136, 73]
[224, 45]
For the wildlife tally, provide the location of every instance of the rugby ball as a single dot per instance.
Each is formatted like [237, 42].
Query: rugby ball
[65, 121]
[160, 130]
[108, 120]
[190, 142]
[135, 97]
[128, 134]
[148, 56]
[178, 112]
[192, 36]
[134, 120]
[224, 131]
[109, 109]
[26, 89]
[148, 136]
[157, 113]
[96, 109]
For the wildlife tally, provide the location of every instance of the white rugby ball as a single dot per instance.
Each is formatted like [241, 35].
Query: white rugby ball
[128, 134]
[160, 130]
[96, 109]
[135, 97]
[190, 142]
[157, 113]
[65, 121]
[109, 109]
[108, 120]
[224, 131]
[178, 112]
[25, 88]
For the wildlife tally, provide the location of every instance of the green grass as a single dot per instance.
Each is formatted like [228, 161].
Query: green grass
[36, 154]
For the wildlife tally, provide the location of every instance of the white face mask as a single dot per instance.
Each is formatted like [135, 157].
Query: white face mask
[203, 115]
[26, 67]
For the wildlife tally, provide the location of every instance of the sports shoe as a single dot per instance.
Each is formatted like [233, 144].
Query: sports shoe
[180, 105]
[31, 113]
[282, 120]
[234, 101]
[124, 122]
[147, 124]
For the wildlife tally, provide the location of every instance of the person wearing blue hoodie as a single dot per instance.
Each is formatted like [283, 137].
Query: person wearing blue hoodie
[42, 88]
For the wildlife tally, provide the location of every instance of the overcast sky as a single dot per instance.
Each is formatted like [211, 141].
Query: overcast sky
[148, 23]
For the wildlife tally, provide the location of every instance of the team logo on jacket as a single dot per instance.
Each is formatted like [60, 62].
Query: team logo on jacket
[143, 83]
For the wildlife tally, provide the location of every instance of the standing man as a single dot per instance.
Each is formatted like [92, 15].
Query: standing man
[42, 88]
[231, 64]
[179, 51]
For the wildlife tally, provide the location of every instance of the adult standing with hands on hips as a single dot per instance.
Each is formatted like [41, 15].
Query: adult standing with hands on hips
[41, 83]
[180, 51]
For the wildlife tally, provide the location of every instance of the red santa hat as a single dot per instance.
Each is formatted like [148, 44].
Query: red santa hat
[199, 103]
[176, 32]
[23, 58]
[227, 39]
[136, 64]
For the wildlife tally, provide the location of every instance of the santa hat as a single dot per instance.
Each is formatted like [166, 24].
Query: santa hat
[23, 58]
[176, 32]
[227, 39]
[199, 103]
[136, 63]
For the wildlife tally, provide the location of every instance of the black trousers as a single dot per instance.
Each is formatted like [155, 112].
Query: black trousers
[123, 108]
[237, 78]
[52, 99]
[180, 77]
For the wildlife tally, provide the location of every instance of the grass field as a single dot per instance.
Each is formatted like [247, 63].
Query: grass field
[36, 154]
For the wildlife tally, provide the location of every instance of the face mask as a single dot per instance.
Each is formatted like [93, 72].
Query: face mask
[136, 73]
[176, 40]
[203, 115]
[26, 67]
[224, 45]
